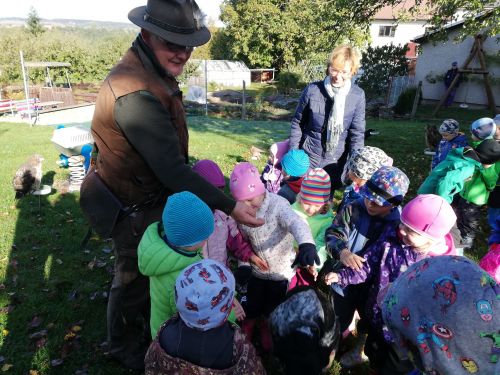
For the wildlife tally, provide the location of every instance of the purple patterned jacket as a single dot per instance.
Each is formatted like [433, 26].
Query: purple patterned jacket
[385, 260]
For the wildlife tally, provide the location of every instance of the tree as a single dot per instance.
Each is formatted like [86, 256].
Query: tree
[277, 33]
[33, 23]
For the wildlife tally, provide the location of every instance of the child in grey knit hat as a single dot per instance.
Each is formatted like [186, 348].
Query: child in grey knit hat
[443, 313]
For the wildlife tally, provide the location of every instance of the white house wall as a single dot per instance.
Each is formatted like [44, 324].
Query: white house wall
[405, 32]
[436, 60]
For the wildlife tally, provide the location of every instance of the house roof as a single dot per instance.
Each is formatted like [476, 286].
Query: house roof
[451, 26]
[391, 12]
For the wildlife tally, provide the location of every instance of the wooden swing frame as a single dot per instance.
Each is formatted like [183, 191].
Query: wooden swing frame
[477, 49]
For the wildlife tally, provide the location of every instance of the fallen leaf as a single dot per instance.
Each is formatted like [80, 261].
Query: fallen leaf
[69, 336]
[100, 263]
[38, 335]
[35, 322]
[6, 367]
[76, 328]
[56, 362]
[6, 309]
[59, 261]
[34, 372]
[106, 250]
[73, 295]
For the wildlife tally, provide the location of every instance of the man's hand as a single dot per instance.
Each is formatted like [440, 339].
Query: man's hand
[247, 215]
[259, 262]
[351, 260]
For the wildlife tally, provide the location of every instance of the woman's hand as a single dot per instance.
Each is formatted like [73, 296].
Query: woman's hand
[238, 310]
[331, 278]
[351, 260]
[312, 271]
[259, 262]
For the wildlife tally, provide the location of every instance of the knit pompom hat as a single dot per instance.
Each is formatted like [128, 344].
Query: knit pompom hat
[429, 215]
[449, 126]
[316, 187]
[279, 149]
[245, 182]
[204, 294]
[388, 185]
[211, 172]
[483, 128]
[364, 161]
[187, 220]
[295, 163]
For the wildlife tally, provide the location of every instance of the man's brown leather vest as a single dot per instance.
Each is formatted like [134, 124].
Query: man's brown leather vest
[120, 166]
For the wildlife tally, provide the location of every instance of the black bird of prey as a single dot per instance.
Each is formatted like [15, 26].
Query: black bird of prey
[28, 176]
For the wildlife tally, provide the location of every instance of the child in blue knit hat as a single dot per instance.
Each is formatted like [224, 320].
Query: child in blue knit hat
[295, 165]
[494, 198]
[451, 138]
[169, 246]
[444, 315]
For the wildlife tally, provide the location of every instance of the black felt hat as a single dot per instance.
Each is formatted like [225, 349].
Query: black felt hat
[176, 21]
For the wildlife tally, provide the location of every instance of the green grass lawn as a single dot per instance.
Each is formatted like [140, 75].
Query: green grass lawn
[52, 292]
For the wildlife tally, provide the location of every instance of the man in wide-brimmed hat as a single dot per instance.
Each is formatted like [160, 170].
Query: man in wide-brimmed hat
[141, 139]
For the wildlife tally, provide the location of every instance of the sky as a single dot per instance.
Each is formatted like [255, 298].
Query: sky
[95, 10]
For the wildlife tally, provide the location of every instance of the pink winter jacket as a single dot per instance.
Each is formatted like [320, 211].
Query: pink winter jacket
[226, 236]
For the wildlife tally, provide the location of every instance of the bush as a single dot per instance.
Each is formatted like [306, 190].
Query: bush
[288, 82]
[378, 64]
[405, 101]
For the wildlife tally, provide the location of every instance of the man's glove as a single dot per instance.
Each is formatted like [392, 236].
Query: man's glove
[307, 255]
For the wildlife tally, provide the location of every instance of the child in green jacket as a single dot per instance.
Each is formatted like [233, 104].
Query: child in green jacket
[169, 246]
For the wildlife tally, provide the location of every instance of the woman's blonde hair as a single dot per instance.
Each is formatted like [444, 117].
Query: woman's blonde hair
[342, 54]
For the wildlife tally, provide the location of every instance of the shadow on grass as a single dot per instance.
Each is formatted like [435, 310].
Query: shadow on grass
[47, 290]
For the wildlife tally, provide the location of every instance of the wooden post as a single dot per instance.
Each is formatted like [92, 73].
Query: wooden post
[487, 86]
[243, 103]
[415, 101]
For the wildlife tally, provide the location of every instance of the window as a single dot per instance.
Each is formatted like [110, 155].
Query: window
[386, 31]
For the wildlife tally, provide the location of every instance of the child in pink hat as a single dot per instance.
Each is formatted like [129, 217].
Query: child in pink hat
[424, 231]
[273, 243]
[226, 235]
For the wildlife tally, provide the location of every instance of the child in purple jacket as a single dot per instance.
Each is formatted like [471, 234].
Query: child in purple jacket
[272, 175]
[425, 225]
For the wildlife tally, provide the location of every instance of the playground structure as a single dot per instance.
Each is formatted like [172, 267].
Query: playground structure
[49, 104]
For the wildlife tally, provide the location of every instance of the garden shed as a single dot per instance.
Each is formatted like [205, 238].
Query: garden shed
[435, 59]
[221, 72]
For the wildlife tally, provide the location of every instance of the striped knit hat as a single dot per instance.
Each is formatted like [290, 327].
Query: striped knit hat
[316, 187]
